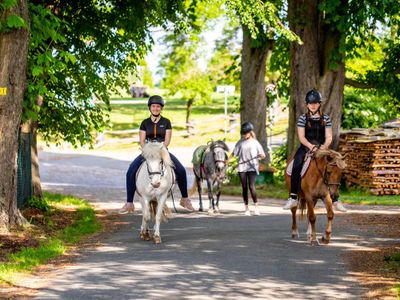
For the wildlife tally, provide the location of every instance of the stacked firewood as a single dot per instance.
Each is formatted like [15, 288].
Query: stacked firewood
[373, 160]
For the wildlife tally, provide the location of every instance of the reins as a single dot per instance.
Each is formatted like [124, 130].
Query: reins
[324, 175]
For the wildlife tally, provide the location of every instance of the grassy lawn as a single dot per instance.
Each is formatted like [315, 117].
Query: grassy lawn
[278, 190]
[57, 223]
[207, 119]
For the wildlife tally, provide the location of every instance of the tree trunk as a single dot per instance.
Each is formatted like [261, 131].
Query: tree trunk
[189, 106]
[253, 101]
[31, 127]
[310, 67]
[36, 183]
[13, 60]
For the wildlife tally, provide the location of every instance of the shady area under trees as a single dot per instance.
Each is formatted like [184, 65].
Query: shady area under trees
[70, 53]
[57, 56]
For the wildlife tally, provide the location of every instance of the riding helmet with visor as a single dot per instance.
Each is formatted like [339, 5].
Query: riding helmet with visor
[313, 96]
[155, 100]
[246, 128]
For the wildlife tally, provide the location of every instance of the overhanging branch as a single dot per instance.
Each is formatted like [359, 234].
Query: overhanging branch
[358, 84]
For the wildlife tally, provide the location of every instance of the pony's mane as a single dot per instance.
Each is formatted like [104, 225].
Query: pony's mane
[336, 157]
[154, 150]
[219, 143]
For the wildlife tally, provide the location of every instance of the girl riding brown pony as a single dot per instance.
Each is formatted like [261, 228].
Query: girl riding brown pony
[321, 181]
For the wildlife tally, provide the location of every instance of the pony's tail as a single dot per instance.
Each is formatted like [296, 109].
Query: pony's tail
[153, 209]
[166, 213]
[302, 207]
[193, 188]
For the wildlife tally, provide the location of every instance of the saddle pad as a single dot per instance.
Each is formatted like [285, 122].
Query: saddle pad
[306, 163]
[198, 155]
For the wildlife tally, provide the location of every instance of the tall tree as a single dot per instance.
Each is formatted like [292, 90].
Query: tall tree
[14, 38]
[261, 27]
[181, 61]
[330, 30]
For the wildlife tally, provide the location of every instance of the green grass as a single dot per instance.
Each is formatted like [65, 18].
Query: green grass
[207, 119]
[362, 196]
[278, 190]
[50, 247]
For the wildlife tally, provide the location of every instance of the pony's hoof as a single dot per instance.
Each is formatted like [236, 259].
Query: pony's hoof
[325, 240]
[157, 239]
[201, 209]
[145, 236]
[295, 236]
[216, 211]
[314, 243]
[210, 211]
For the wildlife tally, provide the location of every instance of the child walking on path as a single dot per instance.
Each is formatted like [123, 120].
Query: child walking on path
[249, 151]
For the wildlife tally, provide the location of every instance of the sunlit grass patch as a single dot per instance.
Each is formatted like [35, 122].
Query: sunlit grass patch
[52, 244]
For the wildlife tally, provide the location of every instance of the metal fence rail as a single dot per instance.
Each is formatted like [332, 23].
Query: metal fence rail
[24, 181]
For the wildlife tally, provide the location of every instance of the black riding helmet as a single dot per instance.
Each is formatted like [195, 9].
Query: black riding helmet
[246, 128]
[155, 100]
[313, 96]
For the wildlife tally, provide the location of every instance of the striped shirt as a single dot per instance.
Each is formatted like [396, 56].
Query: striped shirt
[301, 122]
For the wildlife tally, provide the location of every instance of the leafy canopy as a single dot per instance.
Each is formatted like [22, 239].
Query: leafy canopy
[81, 51]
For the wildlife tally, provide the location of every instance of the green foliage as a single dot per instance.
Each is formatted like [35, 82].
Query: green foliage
[261, 18]
[279, 158]
[8, 20]
[81, 52]
[231, 171]
[182, 72]
[362, 27]
[363, 109]
[224, 67]
[39, 203]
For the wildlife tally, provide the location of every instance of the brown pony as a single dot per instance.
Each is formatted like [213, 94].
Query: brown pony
[321, 180]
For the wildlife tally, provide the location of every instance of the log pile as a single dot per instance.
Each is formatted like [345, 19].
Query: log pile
[373, 159]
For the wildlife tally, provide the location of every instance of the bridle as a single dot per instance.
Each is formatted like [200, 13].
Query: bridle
[217, 159]
[160, 172]
[324, 175]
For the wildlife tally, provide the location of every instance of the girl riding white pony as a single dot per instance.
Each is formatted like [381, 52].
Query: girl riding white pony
[155, 179]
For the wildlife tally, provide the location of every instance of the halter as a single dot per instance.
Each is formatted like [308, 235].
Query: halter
[325, 175]
[219, 160]
[152, 173]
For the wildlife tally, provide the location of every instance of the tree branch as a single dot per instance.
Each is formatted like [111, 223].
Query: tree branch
[358, 84]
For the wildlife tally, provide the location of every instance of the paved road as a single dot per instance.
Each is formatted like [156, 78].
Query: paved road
[230, 256]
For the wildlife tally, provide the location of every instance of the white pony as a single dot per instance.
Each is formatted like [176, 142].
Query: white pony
[155, 179]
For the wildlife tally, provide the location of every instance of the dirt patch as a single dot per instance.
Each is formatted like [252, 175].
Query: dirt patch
[373, 268]
[46, 226]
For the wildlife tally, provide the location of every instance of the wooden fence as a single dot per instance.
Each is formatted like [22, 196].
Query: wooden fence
[215, 124]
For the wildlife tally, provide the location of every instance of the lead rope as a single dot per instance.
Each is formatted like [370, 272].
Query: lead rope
[171, 190]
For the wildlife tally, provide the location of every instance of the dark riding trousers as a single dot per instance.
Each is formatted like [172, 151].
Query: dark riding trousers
[154, 132]
[179, 169]
[315, 134]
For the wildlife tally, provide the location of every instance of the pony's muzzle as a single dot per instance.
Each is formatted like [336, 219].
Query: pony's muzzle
[220, 166]
[156, 184]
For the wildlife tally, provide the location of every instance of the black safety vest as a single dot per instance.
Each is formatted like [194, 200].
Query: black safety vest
[315, 133]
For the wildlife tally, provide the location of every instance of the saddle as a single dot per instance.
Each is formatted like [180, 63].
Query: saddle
[306, 164]
[199, 154]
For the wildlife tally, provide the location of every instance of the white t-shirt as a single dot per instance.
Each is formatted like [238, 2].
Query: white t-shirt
[248, 151]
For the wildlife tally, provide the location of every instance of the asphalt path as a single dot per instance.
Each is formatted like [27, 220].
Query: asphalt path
[226, 256]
